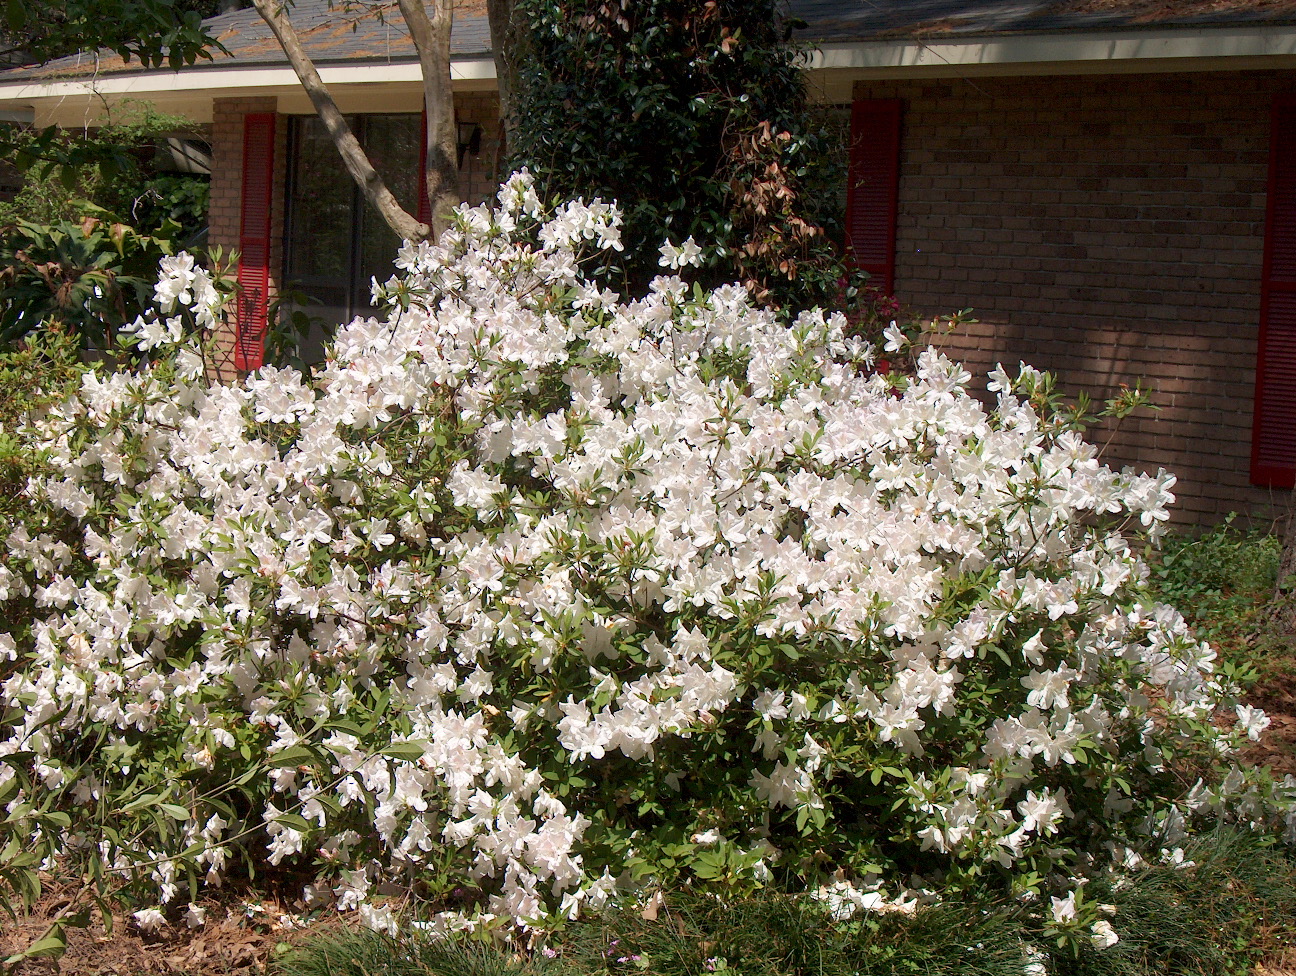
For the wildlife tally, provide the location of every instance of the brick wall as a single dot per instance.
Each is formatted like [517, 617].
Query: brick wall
[227, 188]
[1110, 229]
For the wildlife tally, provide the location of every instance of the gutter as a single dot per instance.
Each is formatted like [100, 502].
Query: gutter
[230, 82]
[1097, 52]
[1094, 52]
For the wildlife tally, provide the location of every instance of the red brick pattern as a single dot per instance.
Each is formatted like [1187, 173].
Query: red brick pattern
[1110, 229]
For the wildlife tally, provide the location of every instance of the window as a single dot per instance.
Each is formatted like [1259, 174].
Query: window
[335, 243]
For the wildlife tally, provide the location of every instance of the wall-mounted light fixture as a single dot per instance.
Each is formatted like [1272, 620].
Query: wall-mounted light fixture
[470, 138]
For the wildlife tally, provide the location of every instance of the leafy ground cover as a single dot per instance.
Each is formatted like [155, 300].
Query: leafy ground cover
[1223, 580]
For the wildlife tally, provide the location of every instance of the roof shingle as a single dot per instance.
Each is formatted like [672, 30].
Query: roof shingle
[376, 34]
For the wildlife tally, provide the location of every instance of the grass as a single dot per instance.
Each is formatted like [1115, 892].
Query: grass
[365, 953]
[1233, 906]
[1221, 580]
[777, 935]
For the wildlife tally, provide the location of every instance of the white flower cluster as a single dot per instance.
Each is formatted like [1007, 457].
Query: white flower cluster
[529, 585]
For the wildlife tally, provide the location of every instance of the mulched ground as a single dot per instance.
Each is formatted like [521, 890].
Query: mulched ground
[234, 942]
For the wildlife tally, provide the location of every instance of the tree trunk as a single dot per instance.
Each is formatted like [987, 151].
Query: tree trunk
[508, 40]
[431, 36]
[274, 13]
[1283, 607]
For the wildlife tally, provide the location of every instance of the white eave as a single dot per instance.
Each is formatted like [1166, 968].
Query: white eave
[833, 66]
[1165, 49]
[191, 90]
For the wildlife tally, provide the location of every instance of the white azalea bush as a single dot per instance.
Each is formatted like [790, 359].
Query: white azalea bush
[532, 599]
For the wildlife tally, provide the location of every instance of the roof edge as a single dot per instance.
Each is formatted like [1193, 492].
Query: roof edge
[232, 81]
[1088, 52]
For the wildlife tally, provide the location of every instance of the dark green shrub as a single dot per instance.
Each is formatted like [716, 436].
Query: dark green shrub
[89, 278]
[694, 117]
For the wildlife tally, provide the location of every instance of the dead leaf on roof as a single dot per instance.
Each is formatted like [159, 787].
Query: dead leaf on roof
[943, 25]
[1151, 11]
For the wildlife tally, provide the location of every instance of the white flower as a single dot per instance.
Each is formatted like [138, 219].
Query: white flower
[1252, 721]
[149, 919]
[1103, 935]
[379, 919]
[1063, 909]
[895, 338]
[1040, 813]
[687, 254]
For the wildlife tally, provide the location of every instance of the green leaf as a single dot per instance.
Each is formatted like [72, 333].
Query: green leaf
[341, 725]
[294, 821]
[174, 811]
[52, 944]
[292, 756]
[148, 799]
[404, 750]
[16, 15]
[9, 789]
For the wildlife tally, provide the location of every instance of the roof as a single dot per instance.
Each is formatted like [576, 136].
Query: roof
[372, 34]
[871, 20]
[376, 34]
[862, 38]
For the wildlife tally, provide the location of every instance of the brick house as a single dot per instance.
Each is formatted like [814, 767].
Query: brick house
[1109, 184]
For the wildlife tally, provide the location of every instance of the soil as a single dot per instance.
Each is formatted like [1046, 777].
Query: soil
[235, 941]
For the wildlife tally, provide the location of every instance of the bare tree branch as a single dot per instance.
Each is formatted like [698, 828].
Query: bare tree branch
[274, 13]
[431, 36]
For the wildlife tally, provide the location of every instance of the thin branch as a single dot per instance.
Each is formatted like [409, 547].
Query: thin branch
[274, 13]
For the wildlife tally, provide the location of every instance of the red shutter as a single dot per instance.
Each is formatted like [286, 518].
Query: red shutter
[873, 194]
[424, 205]
[1273, 434]
[254, 239]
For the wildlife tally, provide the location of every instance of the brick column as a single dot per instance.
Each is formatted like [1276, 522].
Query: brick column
[227, 192]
